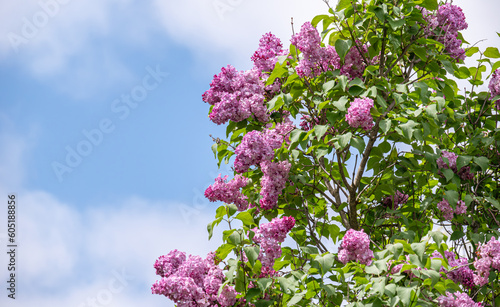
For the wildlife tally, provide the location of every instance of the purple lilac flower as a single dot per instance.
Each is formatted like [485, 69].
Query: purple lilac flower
[445, 25]
[355, 247]
[269, 236]
[395, 200]
[191, 281]
[354, 64]
[316, 59]
[494, 86]
[252, 150]
[448, 211]
[457, 299]
[265, 57]
[273, 182]
[236, 96]
[464, 172]
[358, 114]
[488, 258]
[462, 274]
[228, 192]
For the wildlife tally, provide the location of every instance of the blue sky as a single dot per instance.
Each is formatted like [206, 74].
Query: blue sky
[90, 230]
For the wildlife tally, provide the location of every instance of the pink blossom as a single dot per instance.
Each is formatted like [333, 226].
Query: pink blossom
[265, 57]
[488, 258]
[228, 192]
[273, 182]
[316, 59]
[445, 26]
[253, 149]
[448, 211]
[494, 86]
[269, 236]
[396, 200]
[464, 172]
[236, 96]
[462, 274]
[354, 63]
[190, 281]
[457, 299]
[355, 246]
[358, 114]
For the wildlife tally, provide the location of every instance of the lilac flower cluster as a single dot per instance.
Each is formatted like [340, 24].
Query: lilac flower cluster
[316, 59]
[236, 95]
[275, 137]
[354, 63]
[355, 247]
[488, 258]
[269, 236]
[265, 57]
[273, 181]
[256, 146]
[395, 200]
[457, 299]
[228, 192]
[494, 86]
[448, 211]
[462, 274]
[192, 281]
[445, 24]
[464, 172]
[253, 149]
[358, 114]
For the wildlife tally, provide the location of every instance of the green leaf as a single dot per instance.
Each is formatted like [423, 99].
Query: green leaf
[463, 161]
[264, 283]
[309, 250]
[340, 104]
[342, 5]
[437, 237]
[235, 238]
[471, 51]
[405, 295]
[493, 201]
[295, 299]
[457, 234]
[325, 262]
[408, 128]
[430, 4]
[483, 162]
[224, 250]
[451, 196]
[328, 85]
[252, 253]
[252, 292]
[396, 24]
[342, 47]
[359, 144]
[419, 248]
[385, 125]
[246, 217]
[275, 103]
[345, 139]
[492, 52]
[320, 130]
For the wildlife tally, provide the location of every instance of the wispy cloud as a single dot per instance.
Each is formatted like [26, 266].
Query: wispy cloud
[68, 255]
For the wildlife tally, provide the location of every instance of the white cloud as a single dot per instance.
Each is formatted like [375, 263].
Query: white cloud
[233, 27]
[67, 256]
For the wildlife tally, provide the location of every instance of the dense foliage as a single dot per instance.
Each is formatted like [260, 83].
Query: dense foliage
[366, 161]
